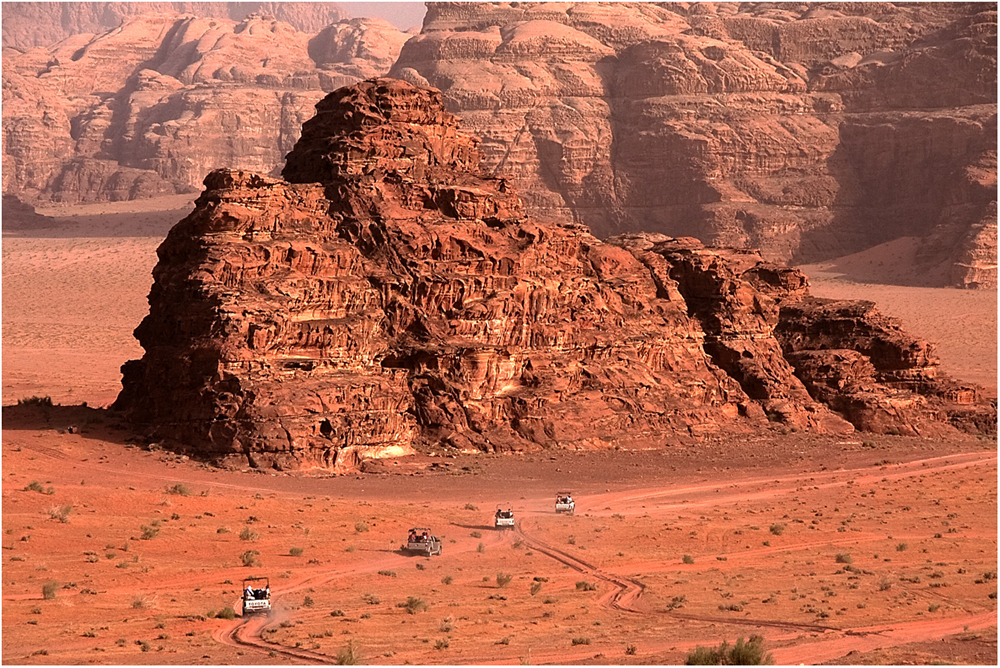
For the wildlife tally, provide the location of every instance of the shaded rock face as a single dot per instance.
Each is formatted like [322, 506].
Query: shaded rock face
[150, 107]
[387, 295]
[810, 131]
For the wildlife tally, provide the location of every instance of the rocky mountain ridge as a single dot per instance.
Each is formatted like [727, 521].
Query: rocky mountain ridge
[808, 131]
[149, 108]
[388, 295]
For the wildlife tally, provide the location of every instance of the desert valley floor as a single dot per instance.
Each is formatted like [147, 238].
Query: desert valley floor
[869, 549]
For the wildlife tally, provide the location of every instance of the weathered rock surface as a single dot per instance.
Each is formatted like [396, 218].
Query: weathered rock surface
[28, 24]
[150, 107]
[809, 131]
[387, 295]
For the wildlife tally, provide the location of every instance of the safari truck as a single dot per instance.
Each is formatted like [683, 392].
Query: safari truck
[565, 503]
[503, 519]
[256, 599]
[420, 541]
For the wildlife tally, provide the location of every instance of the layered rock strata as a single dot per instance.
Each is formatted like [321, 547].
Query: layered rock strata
[387, 295]
[150, 107]
[809, 131]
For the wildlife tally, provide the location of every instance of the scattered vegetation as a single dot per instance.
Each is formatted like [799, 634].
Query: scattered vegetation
[226, 613]
[441, 643]
[349, 656]
[388, 574]
[844, 558]
[179, 489]
[149, 532]
[469, 506]
[583, 585]
[295, 551]
[249, 558]
[447, 580]
[687, 559]
[503, 579]
[901, 547]
[413, 605]
[60, 513]
[49, 590]
[248, 535]
[630, 650]
[777, 528]
[360, 527]
[581, 641]
[45, 402]
[743, 653]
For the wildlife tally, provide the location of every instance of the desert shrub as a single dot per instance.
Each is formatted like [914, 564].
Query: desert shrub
[503, 579]
[630, 650]
[687, 559]
[371, 599]
[60, 513]
[480, 548]
[583, 585]
[138, 603]
[420, 566]
[360, 527]
[248, 535]
[447, 580]
[469, 506]
[535, 587]
[226, 613]
[476, 534]
[844, 558]
[149, 532]
[295, 551]
[413, 605]
[222, 530]
[337, 613]
[504, 641]
[249, 558]
[441, 643]
[777, 528]
[35, 401]
[49, 590]
[388, 574]
[884, 584]
[743, 653]
[180, 489]
[308, 602]
[349, 656]
[581, 641]
[34, 486]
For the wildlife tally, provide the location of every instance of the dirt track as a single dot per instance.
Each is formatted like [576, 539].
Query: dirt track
[851, 547]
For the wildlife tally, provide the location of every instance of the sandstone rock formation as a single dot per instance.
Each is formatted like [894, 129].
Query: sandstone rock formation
[150, 107]
[387, 295]
[28, 24]
[809, 131]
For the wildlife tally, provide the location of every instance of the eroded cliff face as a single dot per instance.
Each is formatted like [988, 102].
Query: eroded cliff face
[387, 295]
[150, 107]
[809, 131]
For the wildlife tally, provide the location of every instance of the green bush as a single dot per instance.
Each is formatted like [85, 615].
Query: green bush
[743, 653]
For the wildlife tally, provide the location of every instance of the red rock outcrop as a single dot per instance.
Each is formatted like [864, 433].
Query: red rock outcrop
[387, 295]
[808, 131]
[150, 107]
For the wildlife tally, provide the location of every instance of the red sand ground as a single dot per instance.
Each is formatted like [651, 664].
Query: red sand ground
[861, 550]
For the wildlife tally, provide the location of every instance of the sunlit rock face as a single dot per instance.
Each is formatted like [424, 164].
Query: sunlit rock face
[808, 131]
[387, 295]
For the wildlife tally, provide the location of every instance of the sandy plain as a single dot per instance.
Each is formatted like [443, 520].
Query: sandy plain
[860, 550]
